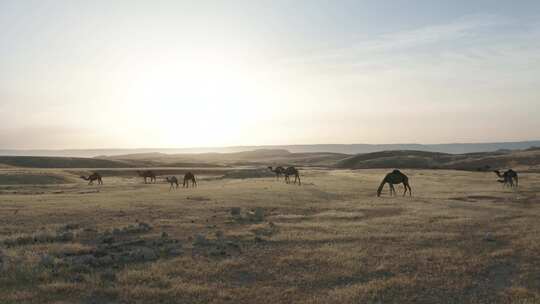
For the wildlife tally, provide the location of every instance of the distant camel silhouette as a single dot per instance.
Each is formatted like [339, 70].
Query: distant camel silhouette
[92, 177]
[394, 178]
[292, 171]
[173, 181]
[147, 174]
[508, 178]
[278, 171]
[189, 177]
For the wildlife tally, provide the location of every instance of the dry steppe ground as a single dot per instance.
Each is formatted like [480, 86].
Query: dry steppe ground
[461, 238]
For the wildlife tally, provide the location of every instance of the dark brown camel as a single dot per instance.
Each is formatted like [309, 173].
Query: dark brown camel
[292, 171]
[147, 174]
[173, 181]
[508, 178]
[279, 171]
[92, 177]
[394, 178]
[189, 177]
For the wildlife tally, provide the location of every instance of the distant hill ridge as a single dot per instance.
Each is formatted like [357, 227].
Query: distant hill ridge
[59, 162]
[453, 148]
[527, 159]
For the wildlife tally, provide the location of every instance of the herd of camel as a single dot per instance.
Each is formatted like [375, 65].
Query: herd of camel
[148, 174]
[508, 178]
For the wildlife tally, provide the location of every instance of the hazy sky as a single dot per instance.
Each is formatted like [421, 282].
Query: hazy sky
[106, 74]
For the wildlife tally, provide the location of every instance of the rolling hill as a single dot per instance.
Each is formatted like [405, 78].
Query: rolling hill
[528, 159]
[255, 157]
[59, 162]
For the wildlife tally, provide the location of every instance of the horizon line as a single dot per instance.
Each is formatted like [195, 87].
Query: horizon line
[265, 145]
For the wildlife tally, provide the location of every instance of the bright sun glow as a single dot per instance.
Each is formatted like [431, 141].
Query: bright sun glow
[199, 101]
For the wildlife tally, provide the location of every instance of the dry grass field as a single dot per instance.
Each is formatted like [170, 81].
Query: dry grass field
[461, 238]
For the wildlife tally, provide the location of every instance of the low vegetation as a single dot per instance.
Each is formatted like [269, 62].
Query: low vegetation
[461, 238]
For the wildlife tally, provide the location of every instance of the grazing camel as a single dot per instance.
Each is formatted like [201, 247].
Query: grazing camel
[279, 171]
[292, 171]
[92, 177]
[147, 174]
[173, 181]
[508, 178]
[394, 178]
[189, 177]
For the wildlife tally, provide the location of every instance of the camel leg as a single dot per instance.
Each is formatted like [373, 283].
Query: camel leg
[299, 181]
[407, 187]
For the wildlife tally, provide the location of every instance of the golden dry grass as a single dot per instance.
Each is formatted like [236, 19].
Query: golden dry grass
[328, 241]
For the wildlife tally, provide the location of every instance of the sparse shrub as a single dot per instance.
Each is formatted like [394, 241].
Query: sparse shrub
[66, 236]
[108, 276]
[259, 214]
[3, 261]
[40, 237]
[235, 211]
[219, 234]
[46, 261]
[200, 240]
[144, 254]
[70, 227]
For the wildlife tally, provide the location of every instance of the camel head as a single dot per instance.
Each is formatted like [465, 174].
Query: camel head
[270, 168]
[379, 192]
[498, 173]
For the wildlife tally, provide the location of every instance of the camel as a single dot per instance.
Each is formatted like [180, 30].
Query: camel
[394, 178]
[147, 174]
[92, 177]
[173, 181]
[189, 177]
[292, 171]
[278, 171]
[508, 178]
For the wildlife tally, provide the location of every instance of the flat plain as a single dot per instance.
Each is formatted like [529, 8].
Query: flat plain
[461, 238]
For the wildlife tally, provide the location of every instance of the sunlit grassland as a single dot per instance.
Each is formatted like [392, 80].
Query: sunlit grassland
[461, 237]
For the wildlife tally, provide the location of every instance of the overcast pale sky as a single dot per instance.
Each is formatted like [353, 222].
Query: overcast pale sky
[111, 74]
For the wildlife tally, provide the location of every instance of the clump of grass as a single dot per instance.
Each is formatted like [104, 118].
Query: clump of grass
[39, 238]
